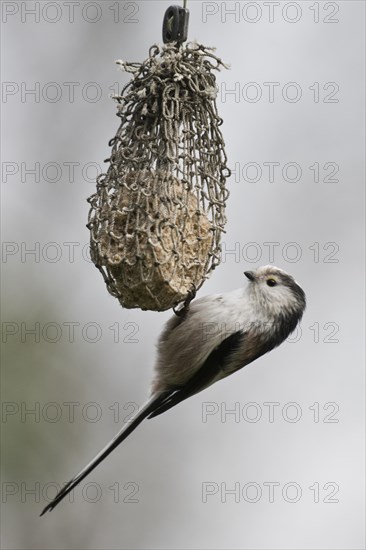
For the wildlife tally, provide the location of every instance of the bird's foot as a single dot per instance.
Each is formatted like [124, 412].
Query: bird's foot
[182, 312]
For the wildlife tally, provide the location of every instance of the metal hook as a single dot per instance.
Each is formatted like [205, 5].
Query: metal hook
[175, 24]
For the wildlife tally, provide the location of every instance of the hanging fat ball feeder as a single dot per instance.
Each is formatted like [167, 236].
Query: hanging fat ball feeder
[158, 213]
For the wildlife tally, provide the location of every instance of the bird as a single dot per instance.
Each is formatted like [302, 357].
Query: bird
[209, 339]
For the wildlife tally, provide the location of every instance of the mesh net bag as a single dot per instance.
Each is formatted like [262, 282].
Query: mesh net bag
[158, 213]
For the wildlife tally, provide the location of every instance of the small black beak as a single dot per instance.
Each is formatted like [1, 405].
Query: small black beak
[250, 275]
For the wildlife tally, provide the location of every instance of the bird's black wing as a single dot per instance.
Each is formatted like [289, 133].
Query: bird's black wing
[214, 363]
[158, 404]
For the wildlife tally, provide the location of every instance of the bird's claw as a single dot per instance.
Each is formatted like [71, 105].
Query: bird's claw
[182, 312]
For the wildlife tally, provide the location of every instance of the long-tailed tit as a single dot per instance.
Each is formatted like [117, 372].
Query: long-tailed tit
[216, 336]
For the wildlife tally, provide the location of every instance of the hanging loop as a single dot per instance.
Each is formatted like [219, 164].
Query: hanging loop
[175, 25]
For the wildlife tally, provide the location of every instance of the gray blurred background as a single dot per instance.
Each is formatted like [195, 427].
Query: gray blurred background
[285, 470]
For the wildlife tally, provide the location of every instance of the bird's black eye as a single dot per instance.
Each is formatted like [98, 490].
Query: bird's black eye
[271, 282]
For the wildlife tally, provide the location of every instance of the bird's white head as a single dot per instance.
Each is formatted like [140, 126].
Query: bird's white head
[275, 291]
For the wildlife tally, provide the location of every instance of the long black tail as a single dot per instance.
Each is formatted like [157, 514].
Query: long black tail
[152, 405]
